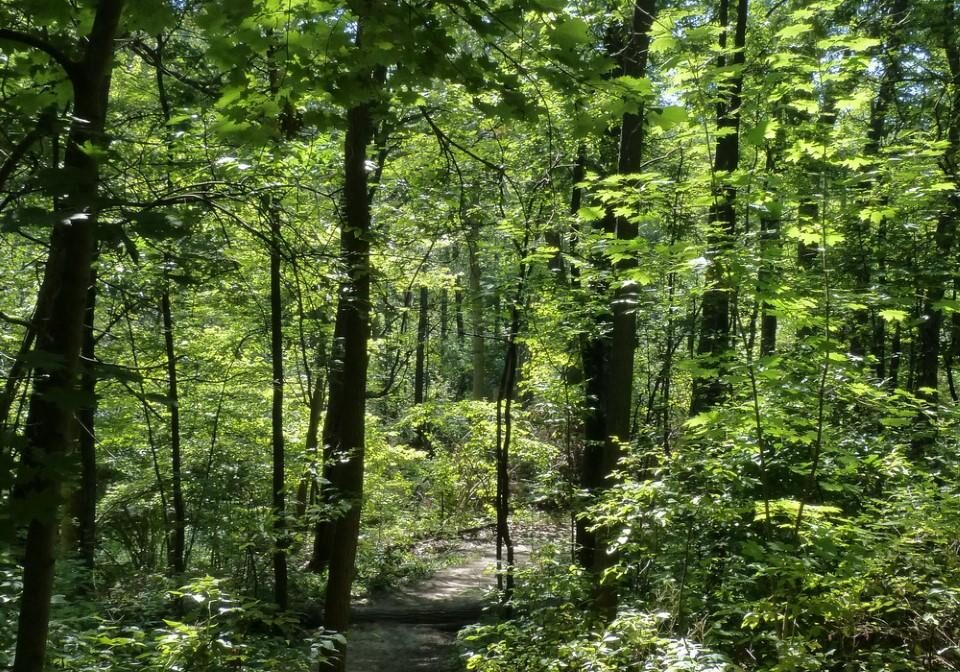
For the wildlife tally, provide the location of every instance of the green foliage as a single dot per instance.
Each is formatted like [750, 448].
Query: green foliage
[807, 521]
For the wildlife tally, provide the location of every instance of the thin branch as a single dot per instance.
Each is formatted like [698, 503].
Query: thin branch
[15, 320]
[70, 67]
[21, 148]
[151, 58]
[447, 140]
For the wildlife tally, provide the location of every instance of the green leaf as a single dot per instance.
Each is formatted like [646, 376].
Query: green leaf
[669, 117]
[591, 213]
[893, 315]
[794, 30]
[571, 33]
[640, 87]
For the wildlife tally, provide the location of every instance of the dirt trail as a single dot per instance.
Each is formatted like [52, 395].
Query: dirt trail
[414, 628]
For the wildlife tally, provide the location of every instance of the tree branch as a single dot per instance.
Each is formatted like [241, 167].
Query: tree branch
[150, 57]
[18, 152]
[71, 67]
[15, 320]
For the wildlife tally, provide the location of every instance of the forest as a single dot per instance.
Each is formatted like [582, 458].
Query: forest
[654, 301]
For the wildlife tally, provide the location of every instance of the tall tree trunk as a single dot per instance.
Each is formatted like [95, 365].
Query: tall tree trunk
[893, 13]
[176, 536]
[766, 276]
[444, 309]
[420, 372]
[344, 431]
[608, 363]
[953, 350]
[281, 541]
[86, 495]
[79, 525]
[66, 281]
[505, 578]
[176, 548]
[308, 489]
[478, 345]
[458, 310]
[714, 346]
[935, 281]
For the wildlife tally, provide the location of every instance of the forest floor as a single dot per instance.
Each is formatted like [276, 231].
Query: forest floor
[415, 627]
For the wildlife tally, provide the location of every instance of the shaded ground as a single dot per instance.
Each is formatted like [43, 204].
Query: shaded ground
[414, 628]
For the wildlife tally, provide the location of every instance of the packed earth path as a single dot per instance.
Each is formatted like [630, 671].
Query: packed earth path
[415, 627]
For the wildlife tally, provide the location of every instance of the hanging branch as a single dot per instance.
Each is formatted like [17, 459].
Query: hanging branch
[69, 66]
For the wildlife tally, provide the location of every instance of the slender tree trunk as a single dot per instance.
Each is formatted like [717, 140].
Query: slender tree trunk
[420, 373]
[950, 356]
[86, 495]
[444, 309]
[766, 276]
[894, 11]
[67, 276]
[344, 434]
[927, 381]
[896, 357]
[308, 488]
[478, 345]
[176, 547]
[505, 578]
[714, 346]
[281, 541]
[608, 363]
[458, 309]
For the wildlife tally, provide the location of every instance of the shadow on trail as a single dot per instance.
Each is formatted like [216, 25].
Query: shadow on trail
[414, 628]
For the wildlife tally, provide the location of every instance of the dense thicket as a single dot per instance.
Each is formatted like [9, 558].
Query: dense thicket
[293, 290]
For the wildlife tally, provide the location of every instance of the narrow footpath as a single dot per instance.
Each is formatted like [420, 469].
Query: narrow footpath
[414, 628]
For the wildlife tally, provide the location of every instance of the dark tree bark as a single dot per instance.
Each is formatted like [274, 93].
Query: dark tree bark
[935, 281]
[346, 435]
[458, 310]
[608, 361]
[478, 345]
[714, 345]
[505, 393]
[950, 356]
[444, 310]
[176, 548]
[420, 372]
[766, 276]
[862, 332]
[281, 541]
[66, 281]
[344, 430]
[86, 495]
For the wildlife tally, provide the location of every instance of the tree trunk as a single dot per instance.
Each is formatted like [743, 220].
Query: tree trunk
[714, 346]
[766, 276]
[344, 431]
[176, 547]
[281, 541]
[608, 362]
[86, 495]
[894, 11]
[927, 381]
[505, 579]
[458, 309]
[444, 308]
[478, 346]
[67, 276]
[420, 373]
[308, 488]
